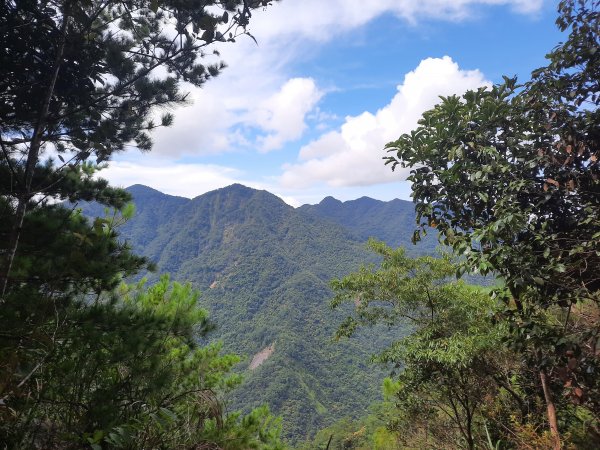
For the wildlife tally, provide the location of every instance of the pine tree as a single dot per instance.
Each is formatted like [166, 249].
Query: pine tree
[79, 78]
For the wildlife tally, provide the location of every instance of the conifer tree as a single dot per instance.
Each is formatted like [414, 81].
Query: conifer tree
[82, 363]
[79, 78]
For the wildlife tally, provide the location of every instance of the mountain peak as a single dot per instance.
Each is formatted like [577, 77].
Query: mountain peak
[232, 189]
[330, 201]
[236, 197]
[238, 187]
[365, 201]
[142, 189]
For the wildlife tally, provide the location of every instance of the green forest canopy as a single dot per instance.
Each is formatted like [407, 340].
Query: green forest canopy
[508, 177]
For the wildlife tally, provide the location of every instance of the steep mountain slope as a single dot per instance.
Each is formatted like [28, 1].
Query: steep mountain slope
[392, 222]
[264, 270]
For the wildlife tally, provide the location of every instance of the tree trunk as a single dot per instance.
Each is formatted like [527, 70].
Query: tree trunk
[329, 442]
[32, 159]
[469, 427]
[551, 410]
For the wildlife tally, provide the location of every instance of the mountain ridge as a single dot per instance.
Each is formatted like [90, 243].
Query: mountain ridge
[142, 188]
[264, 268]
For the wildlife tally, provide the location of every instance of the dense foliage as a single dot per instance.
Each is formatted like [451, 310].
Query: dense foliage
[264, 270]
[369, 432]
[510, 178]
[457, 385]
[452, 346]
[85, 78]
[127, 372]
[85, 363]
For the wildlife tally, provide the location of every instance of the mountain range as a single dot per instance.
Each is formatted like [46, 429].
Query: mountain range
[264, 269]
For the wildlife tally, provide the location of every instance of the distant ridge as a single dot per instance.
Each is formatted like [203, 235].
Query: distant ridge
[392, 222]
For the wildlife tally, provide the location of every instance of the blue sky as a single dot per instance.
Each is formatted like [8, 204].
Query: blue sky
[306, 113]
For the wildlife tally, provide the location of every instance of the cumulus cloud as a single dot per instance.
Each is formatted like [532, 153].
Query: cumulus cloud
[220, 112]
[201, 128]
[283, 114]
[352, 155]
[319, 20]
[211, 124]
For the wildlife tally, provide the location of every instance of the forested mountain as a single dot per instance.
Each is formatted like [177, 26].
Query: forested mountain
[507, 175]
[264, 269]
[391, 222]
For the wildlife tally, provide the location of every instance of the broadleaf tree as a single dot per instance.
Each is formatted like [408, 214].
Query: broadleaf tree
[450, 360]
[509, 176]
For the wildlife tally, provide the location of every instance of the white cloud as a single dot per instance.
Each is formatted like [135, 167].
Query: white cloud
[207, 125]
[283, 114]
[321, 20]
[352, 155]
[285, 31]
[201, 128]
[184, 180]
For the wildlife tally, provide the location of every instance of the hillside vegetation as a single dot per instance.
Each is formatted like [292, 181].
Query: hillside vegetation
[234, 321]
[264, 268]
